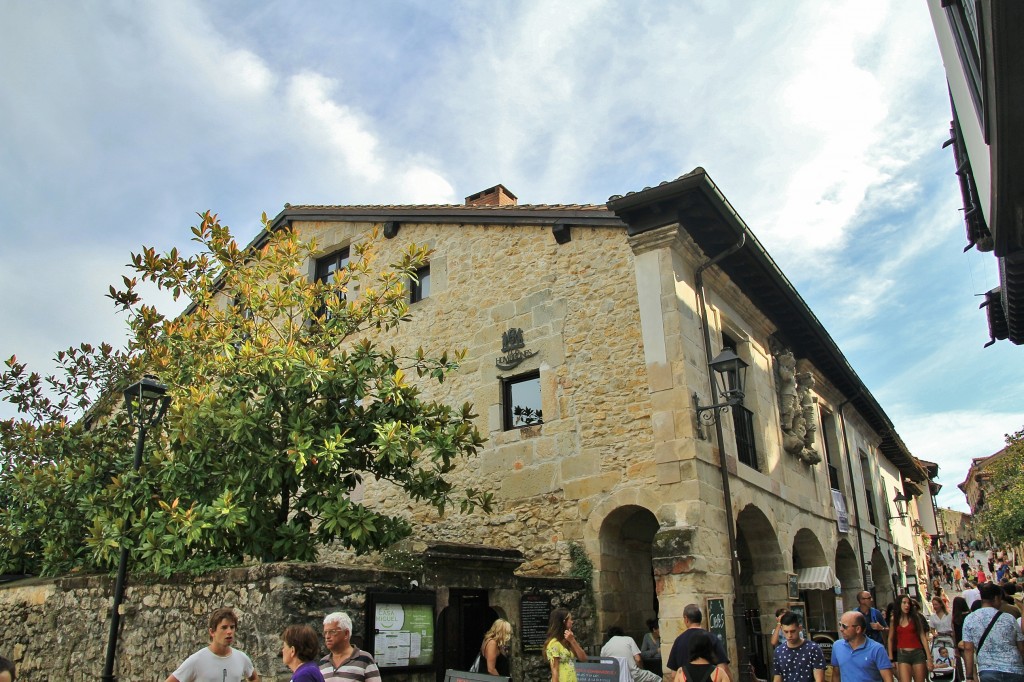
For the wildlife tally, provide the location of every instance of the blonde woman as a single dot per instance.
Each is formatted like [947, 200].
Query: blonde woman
[494, 649]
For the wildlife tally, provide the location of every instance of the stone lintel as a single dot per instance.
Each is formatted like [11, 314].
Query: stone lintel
[660, 238]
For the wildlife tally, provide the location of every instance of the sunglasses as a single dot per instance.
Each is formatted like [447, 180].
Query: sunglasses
[843, 626]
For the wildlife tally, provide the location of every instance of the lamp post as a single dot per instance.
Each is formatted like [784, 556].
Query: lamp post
[729, 371]
[899, 500]
[146, 402]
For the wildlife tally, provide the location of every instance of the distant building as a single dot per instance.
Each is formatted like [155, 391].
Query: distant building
[957, 525]
[983, 55]
[978, 483]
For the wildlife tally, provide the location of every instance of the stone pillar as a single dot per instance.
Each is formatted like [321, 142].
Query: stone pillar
[667, 325]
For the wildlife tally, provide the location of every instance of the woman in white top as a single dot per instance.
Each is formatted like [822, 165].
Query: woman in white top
[941, 620]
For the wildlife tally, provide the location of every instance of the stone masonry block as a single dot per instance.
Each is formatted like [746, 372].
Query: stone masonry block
[663, 426]
[659, 376]
[667, 473]
[500, 313]
[584, 464]
[530, 481]
[592, 485]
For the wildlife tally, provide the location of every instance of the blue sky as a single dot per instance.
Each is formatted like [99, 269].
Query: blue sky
[821, 122]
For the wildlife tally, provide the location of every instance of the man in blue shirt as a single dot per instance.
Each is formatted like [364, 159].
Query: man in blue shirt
[877, 627]
[855, 658]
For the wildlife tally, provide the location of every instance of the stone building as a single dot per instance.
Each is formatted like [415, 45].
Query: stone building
[589, 331]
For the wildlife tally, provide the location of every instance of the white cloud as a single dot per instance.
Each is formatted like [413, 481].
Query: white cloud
[331, 129]
[820, 121]
[952, 439]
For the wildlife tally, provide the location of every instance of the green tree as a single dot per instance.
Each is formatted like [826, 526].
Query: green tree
[1002, 515]
[284, 398]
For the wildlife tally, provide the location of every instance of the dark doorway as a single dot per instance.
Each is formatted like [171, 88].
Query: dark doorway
[461, 628]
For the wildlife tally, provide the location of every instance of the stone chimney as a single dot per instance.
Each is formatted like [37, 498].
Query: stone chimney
[495, 196]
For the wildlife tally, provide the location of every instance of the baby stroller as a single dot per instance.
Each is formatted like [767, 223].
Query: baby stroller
[944, 657]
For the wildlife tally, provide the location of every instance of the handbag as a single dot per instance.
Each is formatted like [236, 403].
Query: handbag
[475, 668]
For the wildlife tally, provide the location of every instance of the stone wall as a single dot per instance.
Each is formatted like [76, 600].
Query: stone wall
[56, 630]
[576, 304]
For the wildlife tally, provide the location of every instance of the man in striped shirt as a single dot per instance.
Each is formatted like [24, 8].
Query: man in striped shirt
[345, 661]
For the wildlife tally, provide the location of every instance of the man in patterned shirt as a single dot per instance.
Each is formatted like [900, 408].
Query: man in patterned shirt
[797, 659]
[999, 656]
[345, 661]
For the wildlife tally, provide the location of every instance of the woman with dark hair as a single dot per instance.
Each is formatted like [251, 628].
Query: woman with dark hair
[650, 650]
[908, 642]
[703, 664]
[960, 611]
[561, 650]
[890, 614]
[299, 652]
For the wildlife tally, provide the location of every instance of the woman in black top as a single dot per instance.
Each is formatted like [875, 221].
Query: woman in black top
[703, 665]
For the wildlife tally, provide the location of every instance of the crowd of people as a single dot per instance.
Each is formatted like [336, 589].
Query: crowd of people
[978, 637]
[300, 649]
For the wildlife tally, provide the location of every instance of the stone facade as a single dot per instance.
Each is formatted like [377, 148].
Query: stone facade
[620, 464]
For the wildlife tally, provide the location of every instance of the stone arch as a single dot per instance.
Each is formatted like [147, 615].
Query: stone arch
[636, 497]
[763, 579]
[625, 575]
[848, 572]
[819, 604]
[881, 577]
[807, 550]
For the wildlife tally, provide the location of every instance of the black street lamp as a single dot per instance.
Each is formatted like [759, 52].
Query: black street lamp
[899, 500]
[729, 373]
[146, 402]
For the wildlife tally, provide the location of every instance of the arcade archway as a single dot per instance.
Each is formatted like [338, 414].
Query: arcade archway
[763, 578]
[626, 575]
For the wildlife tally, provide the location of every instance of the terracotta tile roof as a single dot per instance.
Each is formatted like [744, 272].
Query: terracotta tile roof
[446, 207]
[695, 172]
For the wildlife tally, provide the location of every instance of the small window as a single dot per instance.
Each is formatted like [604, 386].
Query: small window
[327, 267]
[742, 418]
[419, 287]
[521, 402]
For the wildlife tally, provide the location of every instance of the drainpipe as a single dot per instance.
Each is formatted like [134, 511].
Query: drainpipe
[853, 487]
[734, 561]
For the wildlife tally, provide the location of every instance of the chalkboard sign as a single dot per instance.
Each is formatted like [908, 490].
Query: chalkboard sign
[716, 618]
[794, 586]
[799, 610]
[534, 613]
[607, 670]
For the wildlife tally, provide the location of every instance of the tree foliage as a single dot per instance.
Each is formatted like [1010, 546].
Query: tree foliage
[1002, 515]
[285, 398]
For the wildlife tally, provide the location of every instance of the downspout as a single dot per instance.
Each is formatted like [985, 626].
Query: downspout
[734, 561]
[853, 487]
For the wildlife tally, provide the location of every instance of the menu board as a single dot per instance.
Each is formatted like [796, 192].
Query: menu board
[716, 619]
[403, 634]
[534, 614]
[607, 670]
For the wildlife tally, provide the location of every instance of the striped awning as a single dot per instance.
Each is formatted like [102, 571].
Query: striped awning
[816, 578]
